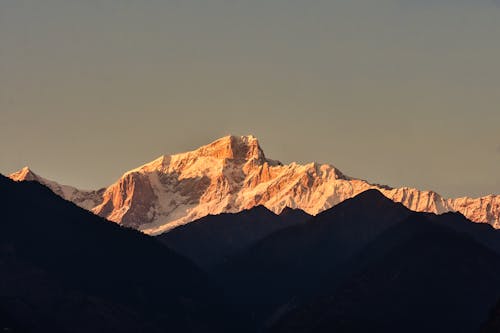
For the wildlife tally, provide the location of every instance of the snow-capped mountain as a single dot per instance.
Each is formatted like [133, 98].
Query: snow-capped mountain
[84, 199]
[233, 174]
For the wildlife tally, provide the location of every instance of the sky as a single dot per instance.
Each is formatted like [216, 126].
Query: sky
[398, 92]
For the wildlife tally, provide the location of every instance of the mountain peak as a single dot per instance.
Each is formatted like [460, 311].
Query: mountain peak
[234, 147]
[372, 194]
[232, 174]
[24, 174]
[371, 197]
[368, 201]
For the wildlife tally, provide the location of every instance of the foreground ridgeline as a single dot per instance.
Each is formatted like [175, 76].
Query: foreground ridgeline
[233, 174]
[63, 269]
[366, 265]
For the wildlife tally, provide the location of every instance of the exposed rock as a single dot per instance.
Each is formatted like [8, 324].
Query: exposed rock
[233, 174]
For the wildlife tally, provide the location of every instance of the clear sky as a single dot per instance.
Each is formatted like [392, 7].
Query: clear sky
[399, 92]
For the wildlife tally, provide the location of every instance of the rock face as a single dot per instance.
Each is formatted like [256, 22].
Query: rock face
[233, 174]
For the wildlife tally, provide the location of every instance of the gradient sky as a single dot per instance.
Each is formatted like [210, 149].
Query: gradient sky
[399, 92]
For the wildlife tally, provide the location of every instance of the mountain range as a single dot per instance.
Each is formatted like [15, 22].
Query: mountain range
[64, 269]
[367, 263]
[233, 174]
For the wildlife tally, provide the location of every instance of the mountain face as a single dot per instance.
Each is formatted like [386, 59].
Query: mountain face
[213, 239]
[64, 269]
[290, 264]
[369, 263]
[366, 264]
[84, 199]
[417, 276]
[233, 174]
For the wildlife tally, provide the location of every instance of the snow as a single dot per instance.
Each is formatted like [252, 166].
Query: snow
[233, 174]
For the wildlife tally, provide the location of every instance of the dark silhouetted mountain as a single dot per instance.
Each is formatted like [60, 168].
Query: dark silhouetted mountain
[64, 269]
[418, 276]
[481, 232]
[366, 264]
[294, 216]
[210, 240]
[299, 264]
[289, 263]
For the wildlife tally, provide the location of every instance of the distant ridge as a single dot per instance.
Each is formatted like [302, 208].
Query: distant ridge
[233, 174]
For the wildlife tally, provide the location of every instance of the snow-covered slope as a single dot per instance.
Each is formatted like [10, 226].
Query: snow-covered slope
[233, 174]
[84, 199]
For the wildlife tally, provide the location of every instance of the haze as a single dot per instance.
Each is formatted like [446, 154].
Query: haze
[400, 92]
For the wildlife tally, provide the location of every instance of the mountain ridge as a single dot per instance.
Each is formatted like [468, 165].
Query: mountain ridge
[417, 276]
[65, 269]
[306, 263]
[214, 239]
[233, 174]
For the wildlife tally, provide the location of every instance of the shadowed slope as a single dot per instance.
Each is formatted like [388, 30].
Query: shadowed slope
[212, 239]
[492, 325]
[302, 262]
[418, 276]
[289, 263]
[67, 270]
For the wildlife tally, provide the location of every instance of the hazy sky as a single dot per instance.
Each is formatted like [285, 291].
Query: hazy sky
[400, 92]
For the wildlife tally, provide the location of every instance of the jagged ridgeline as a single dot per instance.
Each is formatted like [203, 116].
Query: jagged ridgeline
[233, 174]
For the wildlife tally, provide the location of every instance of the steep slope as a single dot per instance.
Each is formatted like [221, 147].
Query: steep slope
[293, 265]
[84, 199]
[484, 209]
[212, 239]
[230, 175]
[289, 263]
[67, 270]
[418, 276]
[233, 174]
